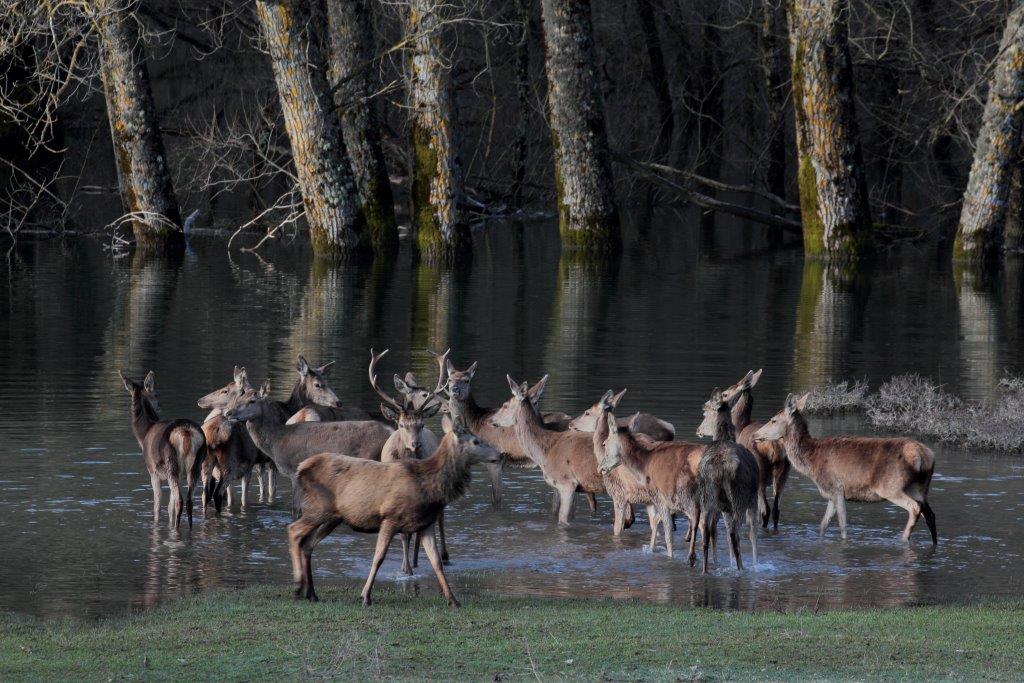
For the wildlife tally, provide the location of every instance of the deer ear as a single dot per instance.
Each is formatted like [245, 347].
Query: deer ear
[447, 424]
[431, 409]
[128, 384]
[801, 402]
[613, 425]
[302, 366]
[716, 396]
[617, 398]
[471, 371]
[150, 382]
[325, 369]
[388, 413]
[264, 389]
[402, 385]
[449, 367]
[241, 378]
[633, 422]
[753, 379]
[606, 399]
[410, 379]
[537, 390]
[517, 391]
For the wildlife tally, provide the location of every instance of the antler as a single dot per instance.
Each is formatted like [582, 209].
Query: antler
[442, 369]
[374, 359]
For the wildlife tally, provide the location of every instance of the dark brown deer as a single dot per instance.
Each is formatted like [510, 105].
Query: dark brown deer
[411, 440]
[388, 498]
[727, 481]
[461, 403]
[638, 423]
[667, 467]
[771, 456]
[171, 448]
[859, 468]
[290, 444]
[566, 459]
[313, 400]
[231, 449]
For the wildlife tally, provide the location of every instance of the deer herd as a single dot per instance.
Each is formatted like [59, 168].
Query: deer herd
[386, 472]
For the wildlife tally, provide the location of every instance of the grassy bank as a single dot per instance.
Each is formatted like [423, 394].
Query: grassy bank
[260, 634]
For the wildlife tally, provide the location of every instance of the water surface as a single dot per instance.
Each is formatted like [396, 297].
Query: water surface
[683, 311]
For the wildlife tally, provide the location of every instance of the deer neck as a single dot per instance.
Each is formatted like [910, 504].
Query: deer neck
[532, 435]
[742, 409]
[468, 409]
[632, 454]
[143, 417]
[297, 400]
[725, 430]
[443, 477]
[799, 444]
[267, 428]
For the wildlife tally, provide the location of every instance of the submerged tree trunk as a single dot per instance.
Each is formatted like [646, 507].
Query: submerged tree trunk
[587, 215]
[351, 75]
[336, 224]
[984, 209]
[833, 191]
[441, 231]
[143, 175]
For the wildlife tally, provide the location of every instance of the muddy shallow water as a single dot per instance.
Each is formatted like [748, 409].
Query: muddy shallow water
[671, 320]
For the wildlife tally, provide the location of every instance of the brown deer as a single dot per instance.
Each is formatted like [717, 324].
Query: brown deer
[411, 440]
[290, 444]
[669, 468]
[461, 403]
[230, 442]
[388, 498]
[727, 482]
[859, 468]
[171, 448]
[313, 400]
[771, 456]
[566, 459]
[639, 423]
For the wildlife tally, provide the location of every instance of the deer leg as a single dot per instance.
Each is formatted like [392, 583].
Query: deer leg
[555, 501]
[442, 540]
[591, 502]
[154, 482]
[753, 537]
[732, 537]
[654, 519]
[707, 533]
[841, 515]
[779, 478]
[270, 483]
[230, 496]
[259, 479]
[494, 471]
[384, 536]
[243, 492]
[204, 478]
[311, 541]
[929, 518]
[694, 520]
[417, 539]
[435, 561]
[830, 511]
[566, 497]
[174, 504]
[406, 564]
[627, 516]
[913, 509]
[666, 527]
[618, 517]
[297, 531]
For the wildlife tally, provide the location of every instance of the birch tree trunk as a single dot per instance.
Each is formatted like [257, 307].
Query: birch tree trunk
[329, 195]
[441, 231]
[983, 215]
[352, 76]
[833, 191]
[587, 215]
[143, 174]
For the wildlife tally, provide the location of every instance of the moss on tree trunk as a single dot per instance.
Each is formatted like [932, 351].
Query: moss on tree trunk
[143, 173]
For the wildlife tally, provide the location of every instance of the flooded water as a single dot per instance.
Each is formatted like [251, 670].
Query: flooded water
[673, 318]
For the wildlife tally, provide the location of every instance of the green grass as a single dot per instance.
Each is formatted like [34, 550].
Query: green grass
[261, 634]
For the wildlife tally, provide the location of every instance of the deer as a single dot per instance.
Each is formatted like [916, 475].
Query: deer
[650, 426]
[402, 497]
[461, 402]
[857, 468]
[290, 444]
[727, 482]
[669, 468]
[313, 400]
[566, 459]
[170, 448]
[771, 456]
[230, 442]
[411, 440]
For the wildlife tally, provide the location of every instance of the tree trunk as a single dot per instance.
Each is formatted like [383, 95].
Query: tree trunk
[658, 78]
[773, 64]
[587, 215]
[1013, 234]
[984, 209]
[329, 195]
[441, 231]
[522, 127]
[351, 70]
[833, 191]
[143, 175]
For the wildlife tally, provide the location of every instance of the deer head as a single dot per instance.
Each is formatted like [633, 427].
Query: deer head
[587, 422]
[459, 381]
[777, 427]
[219, 399]
[416, 403]
[524, 398]
[607, 443]
[249, 405]
[313, 385]
[716, 411]
[749, 381]
[144, 392]
[468, 444]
